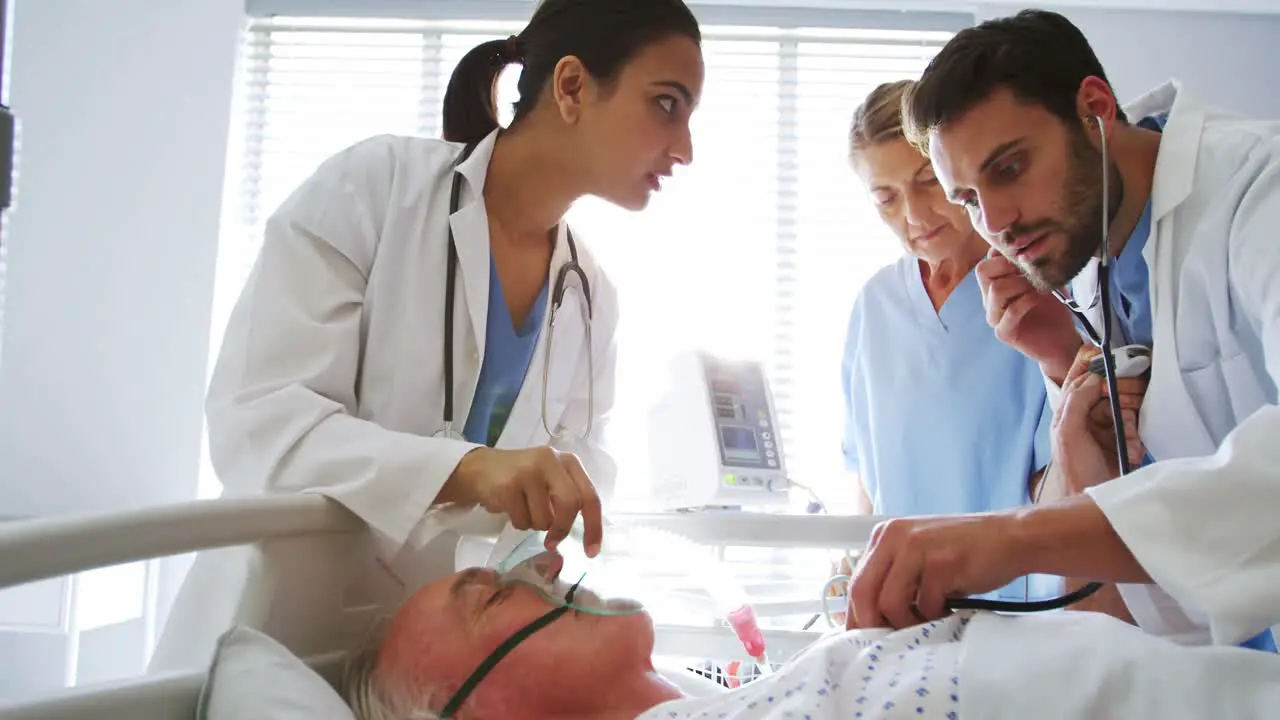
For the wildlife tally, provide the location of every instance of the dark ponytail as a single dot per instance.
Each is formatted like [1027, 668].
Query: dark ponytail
[603, 34]
[470, 110]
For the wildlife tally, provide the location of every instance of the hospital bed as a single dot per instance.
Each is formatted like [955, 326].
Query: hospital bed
[50, 548]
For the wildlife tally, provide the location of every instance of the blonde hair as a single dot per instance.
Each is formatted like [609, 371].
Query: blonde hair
[879, 118]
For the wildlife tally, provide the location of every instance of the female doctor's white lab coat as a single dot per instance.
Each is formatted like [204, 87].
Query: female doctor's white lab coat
[331, 380]
[1207, 531]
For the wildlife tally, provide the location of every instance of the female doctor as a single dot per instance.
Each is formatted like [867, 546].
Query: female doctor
[422, 333]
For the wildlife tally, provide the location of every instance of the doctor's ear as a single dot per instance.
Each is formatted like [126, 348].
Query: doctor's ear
[569, 85]
[1095, 127]
[1096, 103]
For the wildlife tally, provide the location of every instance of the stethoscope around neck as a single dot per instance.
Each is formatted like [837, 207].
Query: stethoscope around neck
[558, 291]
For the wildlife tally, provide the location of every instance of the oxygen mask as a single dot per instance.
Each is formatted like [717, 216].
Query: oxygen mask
[638, 569]
[553, 575]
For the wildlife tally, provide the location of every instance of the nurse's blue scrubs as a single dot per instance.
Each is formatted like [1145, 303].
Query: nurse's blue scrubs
[941, 417]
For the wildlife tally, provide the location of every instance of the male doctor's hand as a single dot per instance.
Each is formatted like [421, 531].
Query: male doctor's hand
[1083, 433]
[912, 565]
[1032, 322]
[538, 488]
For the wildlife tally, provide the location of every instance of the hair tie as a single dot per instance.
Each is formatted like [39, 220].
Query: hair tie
[513, 49]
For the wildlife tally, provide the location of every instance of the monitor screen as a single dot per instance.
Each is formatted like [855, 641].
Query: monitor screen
[739, 442]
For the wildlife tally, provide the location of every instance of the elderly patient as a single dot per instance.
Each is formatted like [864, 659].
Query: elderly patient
[579, 664]
[525, 644]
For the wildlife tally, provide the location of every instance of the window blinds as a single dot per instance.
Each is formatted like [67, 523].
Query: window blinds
[755, 250]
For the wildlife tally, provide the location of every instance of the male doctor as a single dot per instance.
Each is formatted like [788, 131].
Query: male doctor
[1013, 114]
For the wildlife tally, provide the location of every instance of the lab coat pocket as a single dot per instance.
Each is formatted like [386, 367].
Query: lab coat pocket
[1223, 392]
[1245, 387]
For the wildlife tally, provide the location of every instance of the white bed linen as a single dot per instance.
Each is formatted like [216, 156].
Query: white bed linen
[1068, 665]
[864, 675]
[1085, 665]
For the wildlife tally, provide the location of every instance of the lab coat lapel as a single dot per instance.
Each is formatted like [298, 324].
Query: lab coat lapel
[524, 426]
[471, 234]
[1170, 423]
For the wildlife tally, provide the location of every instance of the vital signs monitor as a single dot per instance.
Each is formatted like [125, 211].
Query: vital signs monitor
[714, 437]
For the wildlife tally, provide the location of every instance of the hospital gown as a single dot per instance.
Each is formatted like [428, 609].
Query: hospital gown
[865, 675]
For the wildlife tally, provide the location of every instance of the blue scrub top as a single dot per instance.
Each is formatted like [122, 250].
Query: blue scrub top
[507, 352]
[941, 417]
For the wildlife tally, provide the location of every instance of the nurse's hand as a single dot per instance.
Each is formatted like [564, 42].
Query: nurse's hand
[836, 590]
[538, 488]
[1083, 436]
[1032, 322]
[1132, 393]
[912, 565]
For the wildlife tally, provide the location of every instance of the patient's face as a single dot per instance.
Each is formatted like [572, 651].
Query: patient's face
[450, 626]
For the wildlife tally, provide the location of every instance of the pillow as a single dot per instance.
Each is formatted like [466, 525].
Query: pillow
[253, 676]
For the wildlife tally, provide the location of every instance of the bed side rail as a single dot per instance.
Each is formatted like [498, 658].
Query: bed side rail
[52, 547]
[754, 529]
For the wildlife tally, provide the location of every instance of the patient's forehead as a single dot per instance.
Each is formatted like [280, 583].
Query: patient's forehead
[434, 617]
[423, 637]
[453, 595]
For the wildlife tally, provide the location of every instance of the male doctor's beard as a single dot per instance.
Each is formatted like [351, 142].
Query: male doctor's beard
[1082, 216]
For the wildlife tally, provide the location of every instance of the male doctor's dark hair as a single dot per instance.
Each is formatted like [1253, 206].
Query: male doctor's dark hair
[1040, 56]
[602, 34]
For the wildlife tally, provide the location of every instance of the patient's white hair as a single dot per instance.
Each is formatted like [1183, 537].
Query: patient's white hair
[374, 696]
[369, 699]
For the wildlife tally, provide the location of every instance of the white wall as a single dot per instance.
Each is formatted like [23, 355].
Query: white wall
[1226, 59]
[124, 108]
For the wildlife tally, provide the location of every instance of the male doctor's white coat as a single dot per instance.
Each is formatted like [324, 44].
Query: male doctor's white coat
[1207, 532]
[331, 380]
